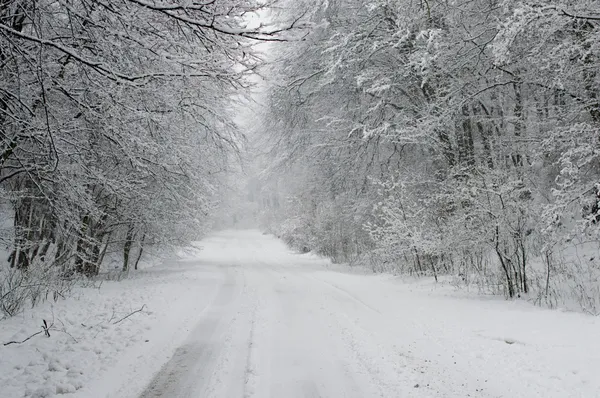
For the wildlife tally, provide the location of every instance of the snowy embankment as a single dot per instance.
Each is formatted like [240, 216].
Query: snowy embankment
[98, 342]
[246, 317]
[484, 346]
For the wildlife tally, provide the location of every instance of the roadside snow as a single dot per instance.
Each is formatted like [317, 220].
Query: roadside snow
[92, 349]
[488, 346]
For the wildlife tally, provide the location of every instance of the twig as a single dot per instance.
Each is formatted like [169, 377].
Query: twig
[67, 333]
[127, 316]
[64, 330]
[21, 342]
[45, 330]
[575, 16]
[45, 326]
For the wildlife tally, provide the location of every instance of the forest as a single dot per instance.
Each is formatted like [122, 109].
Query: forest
[116, 131]
[442, 138]
[435, 138]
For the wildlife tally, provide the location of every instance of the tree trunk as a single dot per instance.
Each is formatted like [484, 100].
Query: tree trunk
[127, 248]
[139, 256]
[509, 282]
[519, 124]
[81, 248]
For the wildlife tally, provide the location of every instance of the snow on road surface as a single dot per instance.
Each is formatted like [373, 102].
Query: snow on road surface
[252, 319]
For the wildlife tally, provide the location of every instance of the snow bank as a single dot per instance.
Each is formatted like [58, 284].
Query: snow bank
[92, 341]
[505, 348]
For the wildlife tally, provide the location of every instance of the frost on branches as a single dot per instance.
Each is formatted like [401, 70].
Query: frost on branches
[445, 139]
[115, 128]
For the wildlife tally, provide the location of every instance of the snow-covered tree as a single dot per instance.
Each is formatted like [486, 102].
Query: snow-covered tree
[117, 122]
[461, 136]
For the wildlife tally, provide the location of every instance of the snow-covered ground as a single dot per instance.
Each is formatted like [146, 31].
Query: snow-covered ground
[245, 317]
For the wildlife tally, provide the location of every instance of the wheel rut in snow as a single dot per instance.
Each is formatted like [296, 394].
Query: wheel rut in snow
[250, 370]
[279, 332]
[345, 293]
[187, 372]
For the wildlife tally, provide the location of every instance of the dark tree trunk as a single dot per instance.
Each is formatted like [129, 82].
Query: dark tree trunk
[127, 248]
[505, 266]
[139, 256]
[519, 124]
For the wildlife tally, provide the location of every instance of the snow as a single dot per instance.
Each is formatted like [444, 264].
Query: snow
[90, 354]
[246, 317]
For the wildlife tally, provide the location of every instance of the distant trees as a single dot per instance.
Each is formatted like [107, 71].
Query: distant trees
[433, 137]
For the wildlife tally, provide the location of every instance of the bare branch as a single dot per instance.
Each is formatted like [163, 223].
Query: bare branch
[127, 316]
[575, 16]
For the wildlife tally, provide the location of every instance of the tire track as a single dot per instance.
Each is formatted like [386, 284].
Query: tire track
[187, 371]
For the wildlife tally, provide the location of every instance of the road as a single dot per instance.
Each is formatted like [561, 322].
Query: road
[281, 325]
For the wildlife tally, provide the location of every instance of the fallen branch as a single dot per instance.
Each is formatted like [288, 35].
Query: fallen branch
[21, 342]
[127, 316]
[45, 330]
[64, 330]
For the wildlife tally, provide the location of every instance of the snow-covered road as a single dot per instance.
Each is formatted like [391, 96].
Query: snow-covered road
[246, 317]
[274, 329]
[278, 324]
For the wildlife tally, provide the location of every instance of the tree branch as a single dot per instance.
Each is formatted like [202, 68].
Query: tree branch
[125, 317]
[252, 34]
[568, 14]
[22, 341]
[98, 66]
